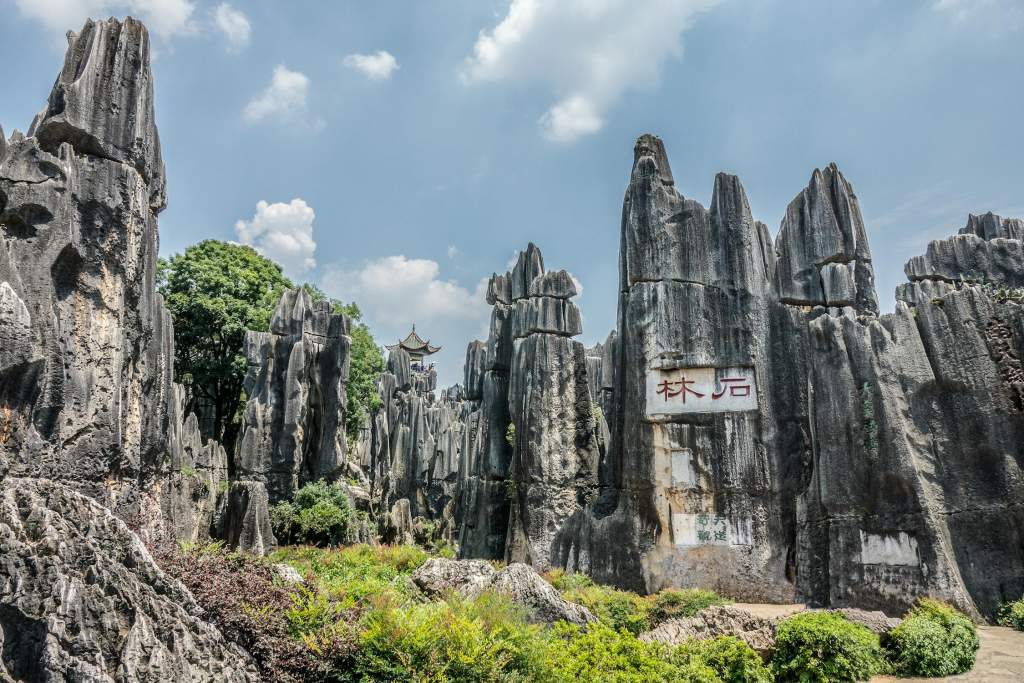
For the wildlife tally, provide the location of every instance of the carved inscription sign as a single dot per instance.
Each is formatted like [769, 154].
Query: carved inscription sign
[708, 529]
[700, 390]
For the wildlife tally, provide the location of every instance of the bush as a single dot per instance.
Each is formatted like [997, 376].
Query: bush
[487, 639]
[357, 575]
[605, 654]
[565, 581]
[617, 609]
[238, 595]
[732, 660]
[825, 647]
[933, 639]
[673, 604]
[1012, 614]
[319, 514]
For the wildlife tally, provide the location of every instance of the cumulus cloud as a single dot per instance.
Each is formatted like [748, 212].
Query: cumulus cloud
[588, 54]
[396, 291]
[165, 18]
[283, 233]
[283, 100]
[377, 67]
[233, 24]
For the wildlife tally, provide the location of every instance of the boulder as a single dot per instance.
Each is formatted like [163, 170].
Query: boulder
[524, 586]
[721, 620]
[439, 576]
[875, 621]
[82, 599]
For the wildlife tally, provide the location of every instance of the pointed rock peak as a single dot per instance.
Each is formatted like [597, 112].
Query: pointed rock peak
[529, 265]
[990, 226]
[102, 101]
[652, 147]
[498, 289]
[729, 199]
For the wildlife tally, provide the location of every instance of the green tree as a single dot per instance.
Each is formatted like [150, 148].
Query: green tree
[216, 291]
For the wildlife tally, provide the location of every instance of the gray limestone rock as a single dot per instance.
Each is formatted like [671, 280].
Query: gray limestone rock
[83, 600]
[86, 371]
[876, 622]
[712, 622]
[293, 427]
[438, 576]
[524, 586]
[555, 283]
[244, 521]
[476, 357]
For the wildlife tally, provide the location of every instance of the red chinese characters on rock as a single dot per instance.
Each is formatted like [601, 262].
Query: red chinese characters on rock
[735, 386]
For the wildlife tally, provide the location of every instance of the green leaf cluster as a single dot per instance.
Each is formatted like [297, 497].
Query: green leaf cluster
[215, 291]
[823, 647]
[320, 514]
[934, 639]
[1012, 614]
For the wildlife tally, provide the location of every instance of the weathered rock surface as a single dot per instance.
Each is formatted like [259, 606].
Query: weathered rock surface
[771, 436]
[721, 620]
[876, 622]
[439, 576]
[81, 599]
[522, 584]
[86, 364]
[244, 520]
[293, 428]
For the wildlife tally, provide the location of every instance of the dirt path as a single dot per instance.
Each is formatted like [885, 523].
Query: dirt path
[1000, 659]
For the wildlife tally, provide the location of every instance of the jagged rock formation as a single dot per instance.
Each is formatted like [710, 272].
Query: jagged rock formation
[416, 441]
[86, 345]
[530, 464]
[773, 437]
[82, 599]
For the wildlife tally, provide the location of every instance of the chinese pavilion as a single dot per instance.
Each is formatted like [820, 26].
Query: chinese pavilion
[416, 347]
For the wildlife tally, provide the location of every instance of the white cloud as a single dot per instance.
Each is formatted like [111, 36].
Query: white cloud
[396, 291]
[284, 99]
[165, 18]
[283, 233]
[233, 24]
[998, 15]
[377, 67]
[587, 52]
[453, 251]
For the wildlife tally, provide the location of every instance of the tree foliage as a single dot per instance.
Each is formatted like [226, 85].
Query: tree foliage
[216, 291]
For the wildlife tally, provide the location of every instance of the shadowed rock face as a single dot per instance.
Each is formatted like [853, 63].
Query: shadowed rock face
[86, 364]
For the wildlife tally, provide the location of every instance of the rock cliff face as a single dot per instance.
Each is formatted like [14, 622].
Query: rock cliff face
[773, 437]
[86, 345]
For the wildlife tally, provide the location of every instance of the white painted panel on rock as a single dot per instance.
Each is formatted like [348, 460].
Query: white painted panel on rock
[700, 390]
[899, 548]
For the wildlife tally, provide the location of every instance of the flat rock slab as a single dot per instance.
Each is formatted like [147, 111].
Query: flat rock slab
[1000, 659]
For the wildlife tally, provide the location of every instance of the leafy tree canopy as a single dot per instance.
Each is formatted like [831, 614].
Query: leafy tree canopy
[216, 291]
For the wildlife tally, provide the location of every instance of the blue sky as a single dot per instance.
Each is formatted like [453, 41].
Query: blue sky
[399, 152]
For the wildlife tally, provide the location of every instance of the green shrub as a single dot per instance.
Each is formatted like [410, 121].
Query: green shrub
[825, 647]
[319, 514]
[732, 660]
[565, 581]
[617, 609]
[933, 639]
[673, 604]
[487, 639]
[357, 575]
[1012, 614]
[605, 654]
